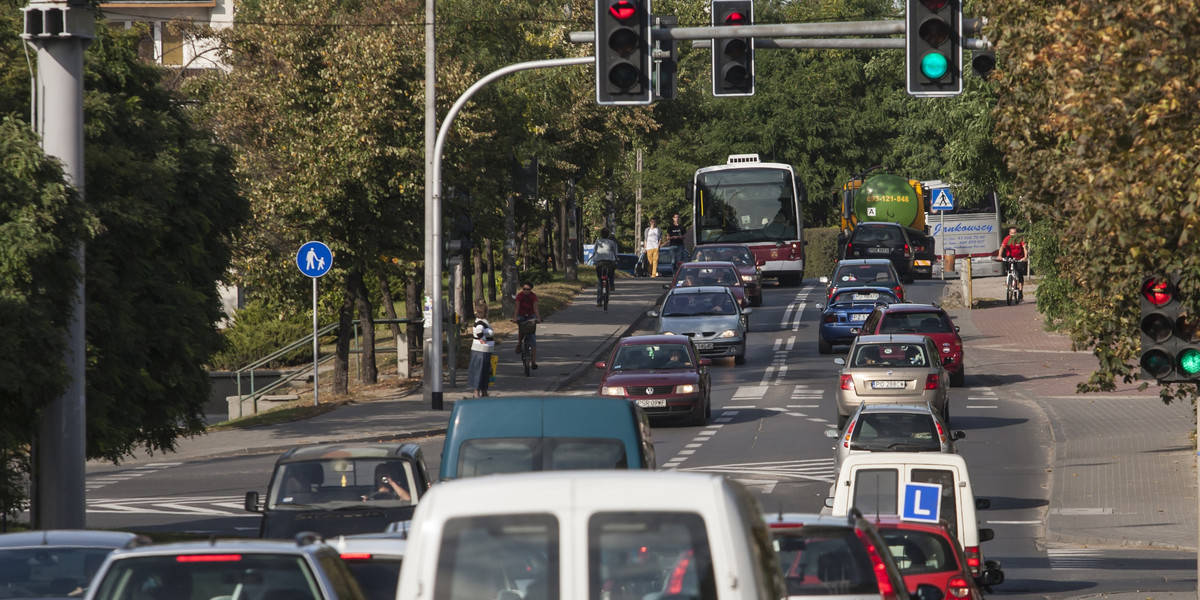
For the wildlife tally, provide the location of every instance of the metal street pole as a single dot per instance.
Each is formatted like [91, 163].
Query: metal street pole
[60, 31]
[432, 363]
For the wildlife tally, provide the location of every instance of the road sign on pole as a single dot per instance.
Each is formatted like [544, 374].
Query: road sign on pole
[314, 259]
[921, 502]
[943, 199]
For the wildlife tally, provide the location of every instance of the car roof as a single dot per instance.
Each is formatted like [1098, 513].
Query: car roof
[222, 546]
[910, 307]
[639, 340]
[895, 522]
[707, 264]
[866, 289]
[896, 338]
[853, 262]
[390, 544]
[73, 537]
[700, 289]
[347, 450]
[793, 519]
[897, 408]
[938, 459]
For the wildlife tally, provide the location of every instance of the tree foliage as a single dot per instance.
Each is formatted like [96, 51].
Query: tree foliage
[1097, 117]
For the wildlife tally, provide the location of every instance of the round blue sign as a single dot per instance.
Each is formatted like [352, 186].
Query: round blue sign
[314, 259]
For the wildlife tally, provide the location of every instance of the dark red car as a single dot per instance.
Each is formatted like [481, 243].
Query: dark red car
[929, 320]
[712, 272]
[741, 256]
[927, 553]
[663, 374]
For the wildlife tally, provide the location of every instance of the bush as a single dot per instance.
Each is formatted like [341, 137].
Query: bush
[820, 255]
[256, 332]
[536, 274]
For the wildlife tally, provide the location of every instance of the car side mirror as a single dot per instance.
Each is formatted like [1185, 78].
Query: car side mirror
[251, 503]
[706, 362]
[824, 280]
[666, 286]
[992, 574]
[747, 310]
[652, 313]
[956, 329]
[839, 361]
[832, 433]
[819, 305]
[601, 364]
[829, 503]
[957, 435]
[983, 503]
[986, 534]
[927, 591]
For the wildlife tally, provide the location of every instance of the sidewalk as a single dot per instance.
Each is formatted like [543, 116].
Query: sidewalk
[569, 342]
[1111, 484]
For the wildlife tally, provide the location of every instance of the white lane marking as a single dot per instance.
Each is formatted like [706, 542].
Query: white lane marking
[816, 469]
[1014, 522]
[778, 344]
[803, 406]
[748, 406]
[980, 406]
[791, 343]
[755, 392]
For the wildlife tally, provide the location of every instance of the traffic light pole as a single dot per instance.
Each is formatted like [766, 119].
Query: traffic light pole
[433, 264]
[823, 35]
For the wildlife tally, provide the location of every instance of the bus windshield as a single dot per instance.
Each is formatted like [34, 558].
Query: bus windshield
[745, 205]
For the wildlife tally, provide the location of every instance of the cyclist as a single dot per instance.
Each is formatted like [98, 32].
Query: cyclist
[527, 309]
[605, 260]
[1014, 247]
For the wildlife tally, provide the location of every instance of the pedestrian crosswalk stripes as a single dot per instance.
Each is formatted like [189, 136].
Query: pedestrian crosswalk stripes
[170, 505]
[1074, 558]
[814, 469]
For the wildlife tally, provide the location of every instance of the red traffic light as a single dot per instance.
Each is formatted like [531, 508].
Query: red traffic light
[622, 10]
[735, 18]
[1157, 291]
[934, 5]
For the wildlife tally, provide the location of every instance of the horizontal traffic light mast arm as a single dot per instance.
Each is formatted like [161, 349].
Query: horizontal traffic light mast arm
[855, 43]
[970, 25]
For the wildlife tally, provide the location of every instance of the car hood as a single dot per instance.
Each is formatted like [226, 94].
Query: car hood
[650, 377]
[684, 325]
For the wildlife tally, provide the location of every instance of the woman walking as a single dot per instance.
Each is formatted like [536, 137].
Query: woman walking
[482, 346]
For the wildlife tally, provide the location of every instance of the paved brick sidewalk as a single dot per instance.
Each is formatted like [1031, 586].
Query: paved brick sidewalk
[1113, 482]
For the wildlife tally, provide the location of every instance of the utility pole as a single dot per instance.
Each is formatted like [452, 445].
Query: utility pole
[572, 267]
[60, 31]
[432, 362]
[637, 207]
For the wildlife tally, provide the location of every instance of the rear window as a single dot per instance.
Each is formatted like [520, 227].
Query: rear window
[652, 356]
[920, 552]
[487, 456]
[378, 577]
[916, 322]
[949, 504]
[737, 256]
[863, 273]
[818, 561]
[877, 235]
[876, 491]
[895, 431]
[853, 295]
[49, 571]
[499, 556]
[890, 355]
[206, 576]
[638, 555]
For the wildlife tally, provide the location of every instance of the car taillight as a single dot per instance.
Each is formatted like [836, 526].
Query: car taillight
[931, 382]
[958, 587]
[974, 559]
[849, 430]
[899, 292]
[830, 318]
[356, 556]
[847, 382]
[196, 558]
[849, 248]
[941, 432]
[886, 590]
[907, 251]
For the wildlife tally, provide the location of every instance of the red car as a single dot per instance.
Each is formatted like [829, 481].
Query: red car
[712, 272]
[663, 374]
[929, 320]
[741, 256]
[927, 553]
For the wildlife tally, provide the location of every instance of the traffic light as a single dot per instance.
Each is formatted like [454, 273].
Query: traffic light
[1170, 344]
[733, 58]
[933, 47]
[622, 41]
[983, 62]
[666, 61]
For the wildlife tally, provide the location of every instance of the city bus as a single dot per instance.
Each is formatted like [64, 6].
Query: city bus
[746, 201]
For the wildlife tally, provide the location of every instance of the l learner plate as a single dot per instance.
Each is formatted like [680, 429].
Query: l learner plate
[652, 403]
[704, 345]
[887, 385]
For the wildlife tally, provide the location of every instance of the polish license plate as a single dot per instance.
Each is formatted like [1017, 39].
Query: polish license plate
[859, 317]
[878, 250]
[652, 403]
[704, 346]
[887, 385]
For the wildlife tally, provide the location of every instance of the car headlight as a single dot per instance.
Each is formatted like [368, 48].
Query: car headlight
[748, 278]
[668, 333]
[685, 389]
[728, 333]
[612, 391]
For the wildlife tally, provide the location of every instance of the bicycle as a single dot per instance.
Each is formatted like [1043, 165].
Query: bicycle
[604, 287]
[1012, 293]
[525, 337]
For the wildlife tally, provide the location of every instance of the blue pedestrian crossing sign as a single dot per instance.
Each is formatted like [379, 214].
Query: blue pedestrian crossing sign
[943, 199]
[314, 259]
[921, 502]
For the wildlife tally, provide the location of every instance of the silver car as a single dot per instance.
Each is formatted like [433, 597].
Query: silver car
[892, 369]
[893, 428]
[710, 315]
[57, 563]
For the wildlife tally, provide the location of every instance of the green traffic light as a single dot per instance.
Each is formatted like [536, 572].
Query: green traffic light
[1189, 361]
[934, 65]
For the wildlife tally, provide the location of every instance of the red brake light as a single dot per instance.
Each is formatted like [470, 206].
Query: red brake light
[974, 559]
[907, 250]
[197, 558]
[886, 590]
[899, 292]
[830, 318]
[958, 587]
[931, 381]
[849, 430]
[356, 556]
[847, 382]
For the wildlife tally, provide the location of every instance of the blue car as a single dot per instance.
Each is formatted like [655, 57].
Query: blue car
[843, 317]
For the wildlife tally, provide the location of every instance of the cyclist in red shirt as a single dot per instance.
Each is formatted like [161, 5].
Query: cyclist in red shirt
[1014, 247]
[527, 309]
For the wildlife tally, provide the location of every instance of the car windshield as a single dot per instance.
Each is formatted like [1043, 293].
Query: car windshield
[694, 276]
[341, 481]
[48, 571]
[920, 552]
[211, 575]
[895, 431]
[819, 561]
[851, 296]
[683, 305]
[737, 256]
[863, 273]
[916, 322]
[890, 355]
[652, 356]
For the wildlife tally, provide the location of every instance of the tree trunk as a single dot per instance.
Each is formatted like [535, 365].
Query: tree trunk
[366, 316]
[341, 361]
[491, 271]
[389, 310]
[560, 243]
[510, 274]
[413, 289]
[477, 268]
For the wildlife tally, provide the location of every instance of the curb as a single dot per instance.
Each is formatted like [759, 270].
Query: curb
[399, 437]
[606, 347]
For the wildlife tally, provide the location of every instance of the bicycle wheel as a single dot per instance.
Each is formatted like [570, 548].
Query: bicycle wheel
[605, 298]
[1010, 294]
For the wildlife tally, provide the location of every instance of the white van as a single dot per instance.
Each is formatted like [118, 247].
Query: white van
[873, 483]
[590, 535]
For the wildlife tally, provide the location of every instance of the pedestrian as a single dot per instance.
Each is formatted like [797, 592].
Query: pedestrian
[483, 344]
[653, 239]
[675, 231]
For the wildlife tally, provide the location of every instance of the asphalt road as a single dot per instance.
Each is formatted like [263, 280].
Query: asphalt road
[769, 419]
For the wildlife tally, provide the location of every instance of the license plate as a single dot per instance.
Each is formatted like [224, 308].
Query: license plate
[652, 403]
[859, 317]
[887, 385]
[878, 250]
[704, 346]
[921, 263]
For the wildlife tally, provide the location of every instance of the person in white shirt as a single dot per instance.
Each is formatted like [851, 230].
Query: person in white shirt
[653, 239]
[483, 343]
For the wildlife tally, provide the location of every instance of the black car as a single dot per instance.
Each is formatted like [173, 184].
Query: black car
[923, 246]
[885, 240]
[341, 489]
